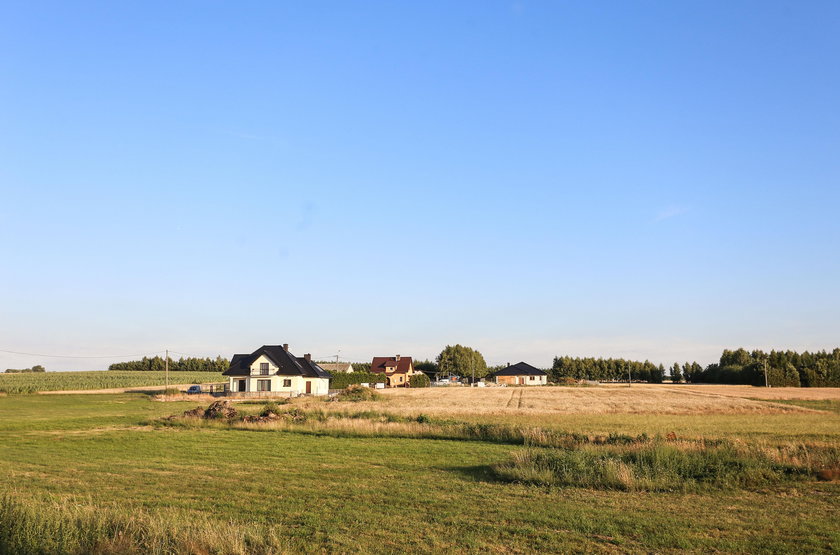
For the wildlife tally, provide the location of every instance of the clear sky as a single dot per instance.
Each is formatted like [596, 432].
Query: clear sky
[641, 179]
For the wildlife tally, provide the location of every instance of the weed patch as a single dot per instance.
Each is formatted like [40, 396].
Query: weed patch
[356, 394]
[659, 465]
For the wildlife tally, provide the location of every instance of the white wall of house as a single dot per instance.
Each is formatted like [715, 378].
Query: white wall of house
[280, 384]
[320, 386]
[255, 367]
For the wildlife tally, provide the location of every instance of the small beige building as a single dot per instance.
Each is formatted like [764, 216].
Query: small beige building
[521, 374]
[272, 369]
[336, 367]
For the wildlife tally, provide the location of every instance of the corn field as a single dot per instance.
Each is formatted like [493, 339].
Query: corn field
[68, 381]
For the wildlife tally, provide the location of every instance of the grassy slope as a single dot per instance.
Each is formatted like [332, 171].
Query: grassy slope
[374, 494]
[62, 381]
[828, 405]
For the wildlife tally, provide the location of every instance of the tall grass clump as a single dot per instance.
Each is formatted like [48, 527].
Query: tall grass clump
[36, 526]
[653, 466]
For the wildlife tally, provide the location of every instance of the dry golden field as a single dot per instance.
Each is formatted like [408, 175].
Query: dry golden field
[772, 393]
[605, 399]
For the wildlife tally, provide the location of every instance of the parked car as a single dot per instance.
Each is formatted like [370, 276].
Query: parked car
[194, 389]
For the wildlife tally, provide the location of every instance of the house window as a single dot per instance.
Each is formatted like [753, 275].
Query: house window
[531, 378]
[263, 385]
[264, 369]
[287, 383]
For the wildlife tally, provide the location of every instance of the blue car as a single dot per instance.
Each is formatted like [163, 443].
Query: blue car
[193, 389]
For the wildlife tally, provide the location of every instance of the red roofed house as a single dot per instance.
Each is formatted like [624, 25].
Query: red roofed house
[397, 369]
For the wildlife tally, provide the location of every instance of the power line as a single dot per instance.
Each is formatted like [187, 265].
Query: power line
[77, 356]
[187, 354]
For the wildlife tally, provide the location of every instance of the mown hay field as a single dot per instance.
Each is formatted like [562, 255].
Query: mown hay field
[653, 409]
[109, 474]
[638, 399]
[767, 393]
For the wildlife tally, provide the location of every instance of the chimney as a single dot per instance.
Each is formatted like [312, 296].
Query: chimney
[285, 346]
[307, 356]
[398, 358]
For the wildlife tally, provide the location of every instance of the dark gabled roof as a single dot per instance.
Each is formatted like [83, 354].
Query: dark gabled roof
[380, 363]
[312, 370]
[238, 366]
[520, 369]
[286, 363]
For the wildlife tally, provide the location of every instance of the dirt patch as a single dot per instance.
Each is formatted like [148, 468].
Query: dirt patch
[216, 410]
[201, 398]
[93, 431]
[140, 389]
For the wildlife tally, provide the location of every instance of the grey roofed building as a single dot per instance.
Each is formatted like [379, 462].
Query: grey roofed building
[520, 369]
[340, 367]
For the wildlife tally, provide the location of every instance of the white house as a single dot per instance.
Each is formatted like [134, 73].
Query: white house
[272, 368]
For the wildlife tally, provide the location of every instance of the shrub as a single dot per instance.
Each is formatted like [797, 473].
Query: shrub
[341, 381]
[273, 407]
[419, 380]
[356, 393]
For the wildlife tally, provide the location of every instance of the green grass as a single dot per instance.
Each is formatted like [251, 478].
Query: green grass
[788, 426]
[91, 472]
[826, 405]
[61, 381]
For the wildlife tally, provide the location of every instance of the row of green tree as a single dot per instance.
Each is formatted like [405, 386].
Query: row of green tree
[783, 368]
[340, 380]
[158, 364]
[688, 372]
[605, 370]
[36, 368]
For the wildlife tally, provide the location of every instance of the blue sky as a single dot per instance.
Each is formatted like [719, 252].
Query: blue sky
[641, 179]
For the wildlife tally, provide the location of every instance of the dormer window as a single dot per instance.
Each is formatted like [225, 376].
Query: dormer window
[263, 369]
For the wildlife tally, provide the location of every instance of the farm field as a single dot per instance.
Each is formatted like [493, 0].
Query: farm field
[90, 465]
[64, 381]
[654, 409]
[604, 399]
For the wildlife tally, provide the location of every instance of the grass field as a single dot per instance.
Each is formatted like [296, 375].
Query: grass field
[64, 381]
[102, 473]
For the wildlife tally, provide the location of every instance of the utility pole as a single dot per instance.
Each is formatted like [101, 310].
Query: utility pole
[766, 381]
[629, 377]
[167, 372]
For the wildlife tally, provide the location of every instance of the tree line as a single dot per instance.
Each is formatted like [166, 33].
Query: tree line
[36, 368]
[739, 366]
[158, 364]
[784, 368]
[605, 370]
